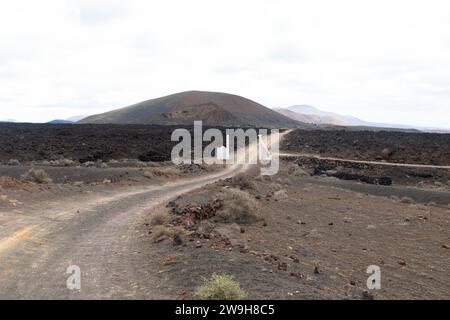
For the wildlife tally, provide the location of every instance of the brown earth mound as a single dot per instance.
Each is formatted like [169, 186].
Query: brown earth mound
[213, 108]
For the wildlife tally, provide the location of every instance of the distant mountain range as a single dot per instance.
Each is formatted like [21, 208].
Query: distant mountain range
[76, 118]
[213, 108]
[59, 121]
[312, 115]
[67, 121]
[56, 121]
[223, 109]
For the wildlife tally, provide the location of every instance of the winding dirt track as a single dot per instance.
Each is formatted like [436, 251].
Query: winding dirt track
[40, 240]
[97, 232]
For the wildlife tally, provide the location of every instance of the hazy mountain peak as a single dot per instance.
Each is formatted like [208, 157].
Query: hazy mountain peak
[306, 109]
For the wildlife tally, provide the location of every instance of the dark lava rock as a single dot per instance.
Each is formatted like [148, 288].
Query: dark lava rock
[177, 240]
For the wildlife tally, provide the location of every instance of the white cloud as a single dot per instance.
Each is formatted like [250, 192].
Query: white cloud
[385, 61]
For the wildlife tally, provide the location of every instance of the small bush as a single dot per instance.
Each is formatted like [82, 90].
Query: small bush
[237, 206]
[89, 164]
[280, 194]
[243, 181]
[161, 172]
[37, 175]
[160, 231]
[296, 171]
[220, 287]
[407, 200]
[159, 216]
[62, 163]
[13, 162]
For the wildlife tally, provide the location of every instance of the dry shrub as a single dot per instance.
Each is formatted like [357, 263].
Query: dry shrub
[166, 172]
[297, 171]
[89, 164]
[62, 163]
[159, 216]
[280, 194]
[13, 162]
[37, 175]
[220, 287]
[160, 231]
[243, 181]
[407, 200]
[237, 206]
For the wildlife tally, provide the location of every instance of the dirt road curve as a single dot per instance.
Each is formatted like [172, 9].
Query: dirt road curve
[96, 232]
[41, 239]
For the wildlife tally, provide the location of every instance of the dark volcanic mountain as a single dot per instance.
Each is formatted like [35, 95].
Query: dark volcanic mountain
[213, 108]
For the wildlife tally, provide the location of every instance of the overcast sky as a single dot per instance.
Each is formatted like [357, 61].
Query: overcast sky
[383, 61]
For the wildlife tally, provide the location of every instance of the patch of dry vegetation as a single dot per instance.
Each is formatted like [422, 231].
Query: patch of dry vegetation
[37, 175]
[169, 232]
[161, 172]
[159, 216]
[237, 206]
[62, 163]
[243, 181]
[280, 194]
[220, 287]
[13, 162]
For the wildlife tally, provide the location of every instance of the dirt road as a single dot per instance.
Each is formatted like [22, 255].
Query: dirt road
[392, 164]
[40, 240]
[96, 232]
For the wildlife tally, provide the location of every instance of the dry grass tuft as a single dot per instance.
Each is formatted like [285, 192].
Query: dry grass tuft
[159, 216]
[62, 163]
[168, 232]
[243, 181]
[237, 206]
[162, 172]
[407, 200]
[280, 194]
[220, 287]
[37, 175]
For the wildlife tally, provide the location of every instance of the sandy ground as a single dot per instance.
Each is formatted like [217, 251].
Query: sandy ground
[336, 228]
